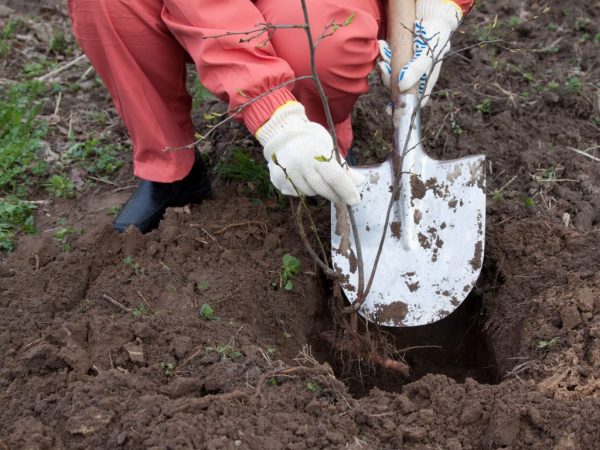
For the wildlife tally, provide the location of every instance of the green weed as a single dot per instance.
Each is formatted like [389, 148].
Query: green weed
[37, 67]
[544, 345]
[62, 236]
[582, 23]
[528, 202]
[6, 33]
[97, 159]
[497, 196]
[487, 32]
[199, 94]
[314, 387]
[207, 313]
[485, 106]
[59, 43]
[140, 311]
[574, 84]
[60, 186]
[136, 266]
[20, 137]
[114, 210]
[227, 351]
[15, 215]
[454, 125]
[167, 368]
[289, 268]
[514, 21]
[241, 167]
[528, 76]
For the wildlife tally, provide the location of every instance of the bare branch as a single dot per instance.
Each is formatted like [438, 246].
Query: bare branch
[234, 112]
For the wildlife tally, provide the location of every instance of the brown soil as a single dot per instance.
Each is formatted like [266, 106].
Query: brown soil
[516, 366]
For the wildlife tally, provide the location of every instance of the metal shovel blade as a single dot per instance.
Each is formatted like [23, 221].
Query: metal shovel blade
[432, 251]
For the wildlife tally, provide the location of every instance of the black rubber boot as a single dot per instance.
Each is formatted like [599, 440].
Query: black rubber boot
[147, 206]
[351, 157]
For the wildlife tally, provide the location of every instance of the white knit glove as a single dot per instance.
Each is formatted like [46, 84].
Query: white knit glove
[436, 21]
[305, 150]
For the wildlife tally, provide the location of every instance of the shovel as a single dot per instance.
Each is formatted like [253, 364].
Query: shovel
[432, 249]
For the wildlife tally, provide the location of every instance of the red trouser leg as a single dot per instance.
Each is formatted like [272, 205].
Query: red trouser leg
[143, 67]
[343, 60]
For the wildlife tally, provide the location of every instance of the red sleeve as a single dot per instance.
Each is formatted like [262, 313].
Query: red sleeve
[232, 70]
[465, 5]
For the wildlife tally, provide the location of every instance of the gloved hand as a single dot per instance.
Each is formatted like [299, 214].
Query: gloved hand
[436, 21]
[305, 150]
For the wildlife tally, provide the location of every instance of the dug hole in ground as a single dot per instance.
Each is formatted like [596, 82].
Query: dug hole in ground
[104, 341]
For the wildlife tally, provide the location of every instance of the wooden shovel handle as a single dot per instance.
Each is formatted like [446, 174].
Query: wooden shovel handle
[401, 24]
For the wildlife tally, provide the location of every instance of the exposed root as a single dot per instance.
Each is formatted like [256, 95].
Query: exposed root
[354, 338]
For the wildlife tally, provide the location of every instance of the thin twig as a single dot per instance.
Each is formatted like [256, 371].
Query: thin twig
[263, 226]
[261, 29]
[324, 267]
[581, 152]
[331, 125]
[508, 183]
[234, 112]
[61, 68]
[112, 301]
[143, 299]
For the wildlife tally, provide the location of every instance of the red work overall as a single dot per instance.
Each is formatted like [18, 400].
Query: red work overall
[140, 48]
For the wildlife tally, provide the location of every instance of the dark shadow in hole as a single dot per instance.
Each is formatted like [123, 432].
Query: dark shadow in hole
[456, 346]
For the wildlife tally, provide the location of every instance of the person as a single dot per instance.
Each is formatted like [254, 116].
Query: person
[140, 50]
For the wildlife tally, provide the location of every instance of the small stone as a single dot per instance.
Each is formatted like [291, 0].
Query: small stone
[121, 438]
[567, 442]
[586, 299]
[471, 412]
[427, 415]
[89, 421]
[570, 317]
[404, 404]
[414, 434]
[182, 386]
[237, 443]
[135, 351]
[180, 346]
[453, 444]
[388, 425]
[534, 415]
[5, 11]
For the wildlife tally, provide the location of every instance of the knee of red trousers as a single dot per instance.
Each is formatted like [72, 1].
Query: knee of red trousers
[345, 59]
[103, 20]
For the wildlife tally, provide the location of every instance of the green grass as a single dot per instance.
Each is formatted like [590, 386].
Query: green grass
[62, 236]
[60, 186]
[226, 351]
[23, 171]
[290, 267]
[241, 167]
[207, 313]
[20, 137]
[96, 158]
[15, 216]
[21, 164]
[199, 94]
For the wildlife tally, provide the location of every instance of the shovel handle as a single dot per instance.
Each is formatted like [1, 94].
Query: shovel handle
[401, 24]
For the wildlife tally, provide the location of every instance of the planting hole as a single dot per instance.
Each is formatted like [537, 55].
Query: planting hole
[456, 346]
